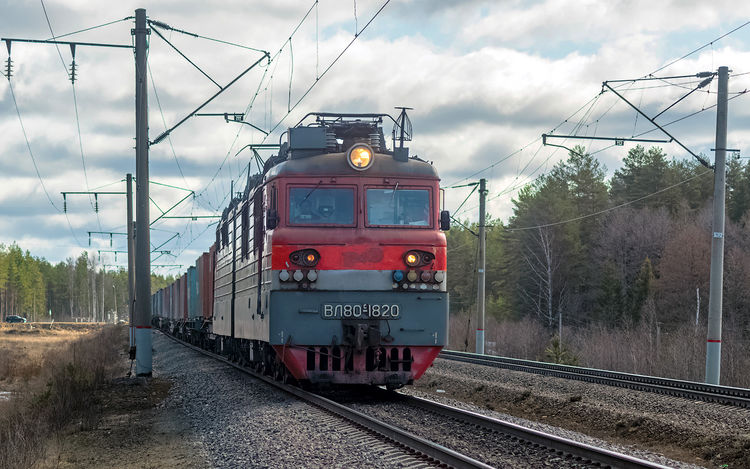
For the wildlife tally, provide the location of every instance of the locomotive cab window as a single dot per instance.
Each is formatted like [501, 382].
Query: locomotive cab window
[399, 207]
[317, 205]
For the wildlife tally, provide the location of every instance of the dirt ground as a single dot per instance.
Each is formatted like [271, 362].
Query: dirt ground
[132, 431]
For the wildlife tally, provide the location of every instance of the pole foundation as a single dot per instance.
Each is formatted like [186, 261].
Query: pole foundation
[143, 351]
[480, 341]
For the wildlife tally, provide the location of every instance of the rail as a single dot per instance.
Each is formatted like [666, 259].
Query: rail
[672, 387]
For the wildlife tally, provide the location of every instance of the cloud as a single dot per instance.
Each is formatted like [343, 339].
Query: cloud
[485, 79]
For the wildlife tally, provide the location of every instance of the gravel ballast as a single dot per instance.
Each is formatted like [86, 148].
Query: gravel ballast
[700, 433]
[242, 422]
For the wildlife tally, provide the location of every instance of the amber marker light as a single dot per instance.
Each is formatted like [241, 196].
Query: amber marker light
[411, 258]
[311, 258]
[360, 156]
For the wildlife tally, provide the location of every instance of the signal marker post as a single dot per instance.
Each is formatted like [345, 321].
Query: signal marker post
[143, 360]
[713, 343]
[480, 267]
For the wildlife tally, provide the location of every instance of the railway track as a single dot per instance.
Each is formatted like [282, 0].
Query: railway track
[672, 387]
[436, 455]
[466, 425]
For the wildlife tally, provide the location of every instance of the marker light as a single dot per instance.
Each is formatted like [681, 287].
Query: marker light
[305, 257]
[412, 276]
[411, 258]
[426, 276]
[398, 276]
[360, 156]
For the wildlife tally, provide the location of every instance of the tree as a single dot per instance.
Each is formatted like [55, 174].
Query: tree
[684, 268]
[610, 301]
[738, 189]
[641, 291]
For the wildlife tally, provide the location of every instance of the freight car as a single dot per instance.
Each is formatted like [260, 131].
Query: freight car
[330, 267]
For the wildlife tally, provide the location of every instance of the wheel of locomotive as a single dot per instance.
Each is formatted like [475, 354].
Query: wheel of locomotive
[289, 378]
[278, 374]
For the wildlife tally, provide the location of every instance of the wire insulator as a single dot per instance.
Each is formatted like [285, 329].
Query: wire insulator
[73, 72]
[8, 68]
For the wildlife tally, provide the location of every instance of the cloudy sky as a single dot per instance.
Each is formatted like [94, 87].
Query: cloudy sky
[485, 79]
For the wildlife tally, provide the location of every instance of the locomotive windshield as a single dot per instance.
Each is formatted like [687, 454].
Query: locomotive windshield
[407, 207]
[321, 206]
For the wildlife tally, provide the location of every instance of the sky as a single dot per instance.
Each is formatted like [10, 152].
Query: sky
[485, 80]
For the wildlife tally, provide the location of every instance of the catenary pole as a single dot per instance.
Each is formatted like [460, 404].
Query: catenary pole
[713, 345]
[142, 239]
[480, 267]
[131, 260]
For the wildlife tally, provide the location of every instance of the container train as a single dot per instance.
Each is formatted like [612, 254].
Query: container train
[330, 267]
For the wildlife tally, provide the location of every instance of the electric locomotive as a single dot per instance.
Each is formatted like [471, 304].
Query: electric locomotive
[331, 266]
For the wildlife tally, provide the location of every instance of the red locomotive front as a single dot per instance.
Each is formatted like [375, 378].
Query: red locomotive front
[358, 261]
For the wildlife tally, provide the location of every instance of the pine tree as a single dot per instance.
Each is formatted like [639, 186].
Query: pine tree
[641, 291]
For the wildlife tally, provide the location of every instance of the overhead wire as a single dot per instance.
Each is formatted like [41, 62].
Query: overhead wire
[36, 167]
[92, 27]
[318, 78]
[75, 106]
[600, 212]
[327, 69]
[618, 86]
[164, 122]
[711, 43]
[476, 173]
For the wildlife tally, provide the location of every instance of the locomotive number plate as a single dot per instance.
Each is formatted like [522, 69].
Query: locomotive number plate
[360, 311]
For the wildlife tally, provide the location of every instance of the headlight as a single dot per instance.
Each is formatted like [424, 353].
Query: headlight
[360, 156]
[412, 258]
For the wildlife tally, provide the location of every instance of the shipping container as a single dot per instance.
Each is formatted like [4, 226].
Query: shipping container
[184, 297]
[192, 292]
[208, 311]
[199, 281]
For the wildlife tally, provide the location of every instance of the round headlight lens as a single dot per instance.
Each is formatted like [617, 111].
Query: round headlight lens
[411, 258]
[360, 156]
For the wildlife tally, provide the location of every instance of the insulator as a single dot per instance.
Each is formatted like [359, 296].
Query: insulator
[8, 68]
[331, 140]
[73, 72]
[375, 141]
[96, 203]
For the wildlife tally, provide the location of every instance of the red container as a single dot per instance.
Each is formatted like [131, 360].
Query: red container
[178, 298]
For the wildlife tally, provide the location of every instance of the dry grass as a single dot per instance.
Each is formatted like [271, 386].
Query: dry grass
[25, 349]
[52, 374]
[641, 349]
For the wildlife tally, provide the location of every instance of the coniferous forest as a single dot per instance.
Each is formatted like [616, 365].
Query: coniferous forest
[76, 289]
[621, 259]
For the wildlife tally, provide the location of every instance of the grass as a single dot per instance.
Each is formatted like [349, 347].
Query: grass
[644, 348]
[52, 373]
